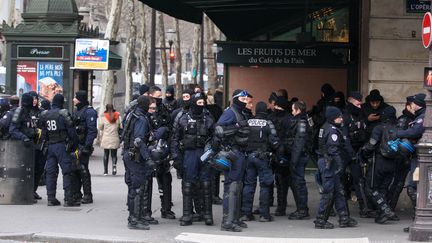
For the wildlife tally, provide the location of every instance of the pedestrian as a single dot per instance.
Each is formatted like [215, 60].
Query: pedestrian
[110, 126]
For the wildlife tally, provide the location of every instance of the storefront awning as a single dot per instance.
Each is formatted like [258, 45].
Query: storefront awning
[241, 19]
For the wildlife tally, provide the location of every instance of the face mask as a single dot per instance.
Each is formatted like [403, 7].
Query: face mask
[186, 104]
[158, 101]
[240, 104]
[197, 109]
[170, 98]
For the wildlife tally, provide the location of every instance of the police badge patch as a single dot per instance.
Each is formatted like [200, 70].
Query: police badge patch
[321, 131]
[334, 137]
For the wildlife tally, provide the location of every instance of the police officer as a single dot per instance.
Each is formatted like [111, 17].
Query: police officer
[6, 118]
[185, 103]
[140, 167]
[299, 140]
[59, 132]
[232, 131]
[193, 128]
[143, 90]
[261, 141]
[403, 166]
[372, 108]
[40, 157]
[162, 119]
[85, 121]
[170, 102]
[283, 178]
[382, 166]
[355, 127]
[413, 134]
[23, 126]
[331, 155]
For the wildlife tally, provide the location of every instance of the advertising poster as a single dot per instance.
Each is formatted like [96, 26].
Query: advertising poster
[91, 54]
[27, 76]
[50, 79]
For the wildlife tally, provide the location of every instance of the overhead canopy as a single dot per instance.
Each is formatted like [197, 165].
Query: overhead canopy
[242, 19]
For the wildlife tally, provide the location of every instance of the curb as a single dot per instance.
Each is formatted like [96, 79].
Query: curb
[65, 238]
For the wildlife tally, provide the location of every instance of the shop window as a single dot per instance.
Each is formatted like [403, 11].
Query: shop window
[326, 25]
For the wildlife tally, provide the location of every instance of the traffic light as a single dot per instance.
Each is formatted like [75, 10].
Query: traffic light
[172, 56]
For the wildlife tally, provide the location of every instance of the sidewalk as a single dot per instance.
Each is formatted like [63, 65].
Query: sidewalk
[105, 220]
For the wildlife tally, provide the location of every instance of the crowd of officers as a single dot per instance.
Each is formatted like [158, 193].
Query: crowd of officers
[58, 139]
[357, 147]
[360, 147]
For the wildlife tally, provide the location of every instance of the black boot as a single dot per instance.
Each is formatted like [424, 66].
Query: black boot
[299, 214]
[216, 189]
[69, 200]
[346, 221]
[198, 202]
[186, 219]
[237, 216]
[229, 217]
[207, 212]
[322, 223]
[412, 194]
[134, 221]
[322, 217]
[146, 214]
[114, 165]
[86, 184]
[385, 210]
[105, 162]
[53, 202]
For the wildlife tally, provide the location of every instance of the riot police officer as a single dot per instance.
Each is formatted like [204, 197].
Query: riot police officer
[162, 119]
[40, 156]
[261, 141]
[193, 129]
[232, 131]
[355, 128]
[299, 140]
[413, 134]
[85, 121]
[143, 90]
[282, 119]
[331, 156]
[23, 127]
[170, 102]
[136, 156]
[59, 132]
[382, 166]
[403, 166]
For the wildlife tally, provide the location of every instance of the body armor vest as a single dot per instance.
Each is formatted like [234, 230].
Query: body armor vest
[195, 133]
[258, 135]
[80, 124]
[54, 133]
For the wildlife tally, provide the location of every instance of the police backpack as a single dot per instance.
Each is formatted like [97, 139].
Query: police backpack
[389, 133]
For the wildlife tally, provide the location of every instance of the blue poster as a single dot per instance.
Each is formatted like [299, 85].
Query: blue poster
[50, 79]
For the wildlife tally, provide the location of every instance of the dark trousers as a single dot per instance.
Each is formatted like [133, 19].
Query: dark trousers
[257, 168]
[164, 180]
[40, 161]
[106, 158]
[57, 155]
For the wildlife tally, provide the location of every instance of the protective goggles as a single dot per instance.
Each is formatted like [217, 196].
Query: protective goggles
[243, 93]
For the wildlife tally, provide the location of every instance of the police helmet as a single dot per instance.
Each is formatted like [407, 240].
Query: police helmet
[223, 160]
[159, 151]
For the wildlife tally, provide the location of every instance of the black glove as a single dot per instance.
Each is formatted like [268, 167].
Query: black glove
[178, 164]
[151, 163]
[27, 142]
[87, 150]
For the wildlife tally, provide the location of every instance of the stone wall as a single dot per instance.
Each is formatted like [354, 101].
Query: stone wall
[396, 57]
